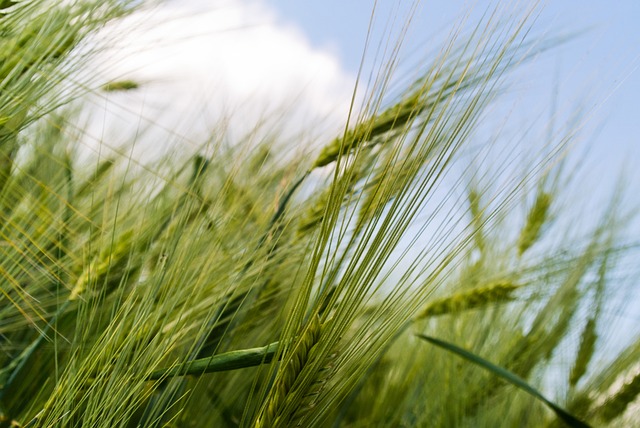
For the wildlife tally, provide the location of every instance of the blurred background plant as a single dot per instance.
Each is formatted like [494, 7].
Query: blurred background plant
[405, 273]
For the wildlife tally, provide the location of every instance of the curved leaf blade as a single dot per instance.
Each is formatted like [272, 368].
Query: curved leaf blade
[509, 376]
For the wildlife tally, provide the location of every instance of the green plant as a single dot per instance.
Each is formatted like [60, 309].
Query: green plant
[235, 289]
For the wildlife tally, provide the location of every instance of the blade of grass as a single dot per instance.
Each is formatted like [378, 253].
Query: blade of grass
[507, 375]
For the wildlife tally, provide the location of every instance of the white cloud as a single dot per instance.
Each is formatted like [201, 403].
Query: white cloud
[202, 62]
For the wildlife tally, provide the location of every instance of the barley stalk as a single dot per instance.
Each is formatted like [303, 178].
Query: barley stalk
[223, 362]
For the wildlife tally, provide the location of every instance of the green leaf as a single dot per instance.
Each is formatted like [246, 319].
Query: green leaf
[223, 362]
[509, 376]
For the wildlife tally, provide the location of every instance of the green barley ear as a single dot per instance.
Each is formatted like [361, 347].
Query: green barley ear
[314, 214]
[423, 97]
[497, 292]
[477, 217]
[349, 178]
[585, 351]
[589, 337]
[101, 171]
[274, 414]
[121, 86]
[331, 152]
[109, 267]
[375, 130]
[616, 404]
[538, 215]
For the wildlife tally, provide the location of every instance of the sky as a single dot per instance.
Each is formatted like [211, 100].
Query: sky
[203, 64]
[597, 71]
[268, 58]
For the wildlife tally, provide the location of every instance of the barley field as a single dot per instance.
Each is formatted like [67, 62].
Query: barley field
[405, 272]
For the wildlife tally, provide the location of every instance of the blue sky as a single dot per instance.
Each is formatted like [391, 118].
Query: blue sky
[598, 69]
[217, 58]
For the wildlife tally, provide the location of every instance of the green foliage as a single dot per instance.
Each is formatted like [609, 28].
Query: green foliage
[238, 289]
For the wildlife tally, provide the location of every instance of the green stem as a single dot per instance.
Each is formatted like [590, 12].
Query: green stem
[233, 360]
